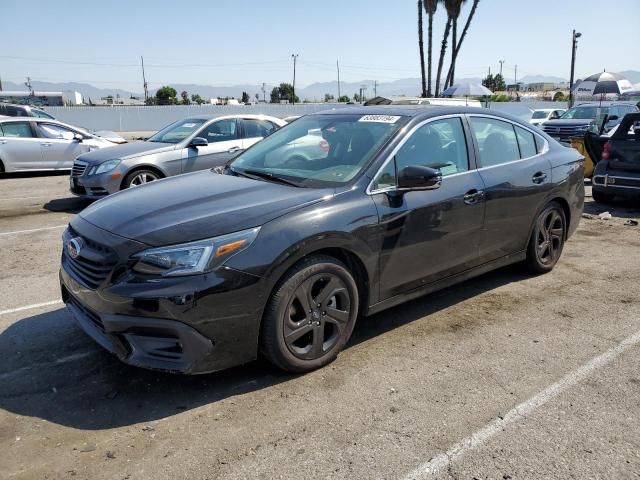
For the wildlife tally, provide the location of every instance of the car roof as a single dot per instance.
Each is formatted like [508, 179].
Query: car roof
[604, 104]
[211, 116]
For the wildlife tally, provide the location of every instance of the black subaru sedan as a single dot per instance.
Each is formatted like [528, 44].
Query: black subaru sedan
[334, 217]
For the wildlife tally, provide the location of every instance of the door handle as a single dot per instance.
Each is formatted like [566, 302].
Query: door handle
[234, 149]
[473, 196]
[46, 144]
[539, 177]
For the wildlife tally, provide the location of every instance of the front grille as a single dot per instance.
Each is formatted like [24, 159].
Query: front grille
[563, 132]
[94, 263]
[90, 314]
[79, 167]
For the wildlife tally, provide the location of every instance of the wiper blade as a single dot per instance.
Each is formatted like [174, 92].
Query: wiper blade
[257, 174]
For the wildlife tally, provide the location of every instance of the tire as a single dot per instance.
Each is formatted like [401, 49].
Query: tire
[547, 239]
[1, 167]
[601, 197]
[300, 336]
[140, 177]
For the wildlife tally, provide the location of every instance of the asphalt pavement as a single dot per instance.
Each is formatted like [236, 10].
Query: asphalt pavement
[507, 376]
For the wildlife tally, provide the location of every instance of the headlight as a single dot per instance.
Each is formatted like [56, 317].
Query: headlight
[194, 257]
[105, 167]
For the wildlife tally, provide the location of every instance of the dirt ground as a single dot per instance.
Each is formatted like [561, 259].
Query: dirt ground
[507, 376]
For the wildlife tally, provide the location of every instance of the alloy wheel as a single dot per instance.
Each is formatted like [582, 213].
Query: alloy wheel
[142, 178]
[549, 237]
[317, 316]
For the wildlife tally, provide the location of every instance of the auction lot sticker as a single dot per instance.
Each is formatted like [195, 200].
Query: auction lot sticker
[380, 118]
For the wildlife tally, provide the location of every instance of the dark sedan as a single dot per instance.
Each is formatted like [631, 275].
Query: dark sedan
[281, 254]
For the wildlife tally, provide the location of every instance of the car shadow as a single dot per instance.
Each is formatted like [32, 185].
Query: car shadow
[619, 207]
[67, 205]
[53, 371]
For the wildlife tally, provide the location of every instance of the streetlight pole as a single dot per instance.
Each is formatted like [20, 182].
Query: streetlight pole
[574, 46]
[295, 57]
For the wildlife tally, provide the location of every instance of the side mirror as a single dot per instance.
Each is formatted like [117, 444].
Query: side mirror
[199, 142]
[419, 178]
[611, 118]
[78, 137]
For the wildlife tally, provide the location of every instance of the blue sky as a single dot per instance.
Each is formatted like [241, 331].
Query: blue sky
[248, 41]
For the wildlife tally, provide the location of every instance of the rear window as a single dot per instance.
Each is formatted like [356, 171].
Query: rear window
[17, 129]
[539, 114]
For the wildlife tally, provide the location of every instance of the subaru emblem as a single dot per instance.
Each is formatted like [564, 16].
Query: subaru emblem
[74, 246]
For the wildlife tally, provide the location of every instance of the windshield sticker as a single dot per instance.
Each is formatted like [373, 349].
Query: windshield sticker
[380, 118]
[188, 125]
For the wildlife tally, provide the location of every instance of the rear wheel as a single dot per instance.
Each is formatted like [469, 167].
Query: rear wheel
[601, 197]
[140, 177]
[310, 315]
[547, 239]
[1, 167]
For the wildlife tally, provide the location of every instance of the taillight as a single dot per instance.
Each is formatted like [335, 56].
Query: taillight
[606, 153]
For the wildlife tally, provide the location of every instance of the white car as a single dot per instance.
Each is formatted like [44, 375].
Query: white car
[542, 115]
[30, 143]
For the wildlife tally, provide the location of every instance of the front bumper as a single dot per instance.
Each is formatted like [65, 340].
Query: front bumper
[192, 324]
[96, 186]
[625, 184]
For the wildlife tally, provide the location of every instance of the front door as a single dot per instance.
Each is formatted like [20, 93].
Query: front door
[20, 147]
[59, 146]
[254, 130]
[429, 235]
[517, 178]
[224, 145]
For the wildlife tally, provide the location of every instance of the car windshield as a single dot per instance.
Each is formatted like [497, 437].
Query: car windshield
[178, 131]
[539, 114]
[319, 150]
[583, 113]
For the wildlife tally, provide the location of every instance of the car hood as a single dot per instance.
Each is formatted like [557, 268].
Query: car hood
[196, 206]
[568, 122]
[127, 150]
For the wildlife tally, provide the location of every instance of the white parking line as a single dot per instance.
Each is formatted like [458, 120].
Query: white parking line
[440, 463]
[29, 307]
[16, 232]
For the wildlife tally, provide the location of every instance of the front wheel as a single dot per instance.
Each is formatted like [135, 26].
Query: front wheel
[310, 316]
[601, 197]
[547, 239]
[140, 177]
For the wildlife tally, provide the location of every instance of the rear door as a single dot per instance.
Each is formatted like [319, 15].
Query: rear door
[431, 234]
[254, 130]
[517, 179]
[20, 148]
[59, 147]
[225, 143]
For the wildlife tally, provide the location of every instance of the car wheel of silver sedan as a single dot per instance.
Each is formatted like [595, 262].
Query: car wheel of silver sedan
[140, 177]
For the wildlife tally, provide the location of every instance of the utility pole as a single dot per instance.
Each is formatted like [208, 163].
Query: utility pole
[375, 88]
[362, 89]
[500, 62]
[295, 57]
[338, 68]
[264, 95]
[144, 81]
[574, 46]
[515, 75]
[0, 84]
[28, 85]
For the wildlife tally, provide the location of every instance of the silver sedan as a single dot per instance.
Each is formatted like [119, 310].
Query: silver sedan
[30, 144]
[195, 143]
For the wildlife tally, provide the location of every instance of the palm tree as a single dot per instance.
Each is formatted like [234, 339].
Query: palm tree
[456, 49]
[450, 6]
[430, 6]
[455, 6]
[421, 47]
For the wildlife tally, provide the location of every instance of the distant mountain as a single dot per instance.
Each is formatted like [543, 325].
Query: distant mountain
[632, 75]
[87, 91]
[541, 79]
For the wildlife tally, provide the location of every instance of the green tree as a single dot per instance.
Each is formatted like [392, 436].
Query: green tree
[499, 83]
[344, 99]
[195, 98]
[185, 98]
[245, 97]
[454, 11]
[328, 97]
[356, 97]
[449, 5]
[456, 49]
[275, 95]
[150, 101]
[166, 96]
[430, 6]
[286, 92]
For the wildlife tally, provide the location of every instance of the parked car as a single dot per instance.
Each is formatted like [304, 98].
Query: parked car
[543, 114]
[195, 143]
[579, 119]
[618, 173]
[29, 143]
[13, 110]
[199, 272]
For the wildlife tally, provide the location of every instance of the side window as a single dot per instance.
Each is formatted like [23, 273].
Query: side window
[539, 143]
[1, 132]
[526, 142]
[50, 130]
[386, 177]
[439, 144]
[41, 114]
[17, 130]
[220, 131]
[496, 141]
[258, 128]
